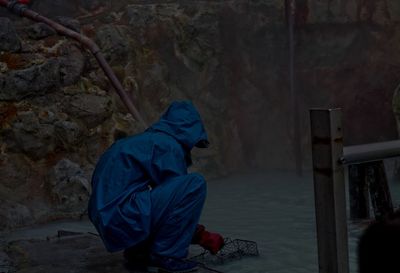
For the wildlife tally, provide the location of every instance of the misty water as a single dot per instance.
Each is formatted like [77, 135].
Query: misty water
[275, 209]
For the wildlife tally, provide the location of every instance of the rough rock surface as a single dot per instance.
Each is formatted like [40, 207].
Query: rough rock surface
[72, 63]
[114, 43]
[14, 214]
[69, 187]
[6, 263]
[69, 22]
[90, 108]
[33, 81]
[78, 253]
[68, 132]
[8, 37]
[40, 30]
[229, 57]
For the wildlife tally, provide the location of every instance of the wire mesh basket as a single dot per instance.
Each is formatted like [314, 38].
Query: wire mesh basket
[233, 249]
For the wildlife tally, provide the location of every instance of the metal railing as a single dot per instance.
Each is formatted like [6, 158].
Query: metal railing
[370, 152]
[367, 184]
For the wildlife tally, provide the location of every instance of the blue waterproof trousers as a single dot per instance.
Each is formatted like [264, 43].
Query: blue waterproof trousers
[176, 206]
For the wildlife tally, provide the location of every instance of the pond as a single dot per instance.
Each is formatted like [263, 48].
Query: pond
[274, 209]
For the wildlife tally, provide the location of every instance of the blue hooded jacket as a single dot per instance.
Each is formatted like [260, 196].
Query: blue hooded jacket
[120, 203]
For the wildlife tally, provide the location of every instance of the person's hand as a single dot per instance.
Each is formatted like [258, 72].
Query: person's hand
[210, 241]
[213, 242]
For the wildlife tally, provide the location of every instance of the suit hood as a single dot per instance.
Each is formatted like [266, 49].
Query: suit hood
[183, 122]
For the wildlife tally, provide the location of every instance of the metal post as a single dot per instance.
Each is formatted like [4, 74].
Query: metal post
[358, 192]
[329, 190]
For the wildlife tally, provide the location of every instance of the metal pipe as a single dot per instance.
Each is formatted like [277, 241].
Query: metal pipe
[24, 11]
[370, 152]
[294, 101]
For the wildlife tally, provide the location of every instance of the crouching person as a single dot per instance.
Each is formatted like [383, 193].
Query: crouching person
[144, 201]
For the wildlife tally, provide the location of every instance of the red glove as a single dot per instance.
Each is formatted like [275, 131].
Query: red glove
[213, 242]
[24, 2]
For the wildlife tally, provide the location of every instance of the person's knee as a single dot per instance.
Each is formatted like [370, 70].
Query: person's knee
[197, 184]
[197, 181]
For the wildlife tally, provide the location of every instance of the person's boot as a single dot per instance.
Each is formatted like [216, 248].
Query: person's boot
[170, 265]
[137, 257]
[210, 241]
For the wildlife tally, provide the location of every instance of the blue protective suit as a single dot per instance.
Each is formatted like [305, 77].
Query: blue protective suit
[141, 188]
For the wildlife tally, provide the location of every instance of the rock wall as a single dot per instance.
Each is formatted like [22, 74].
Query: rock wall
[58, 112]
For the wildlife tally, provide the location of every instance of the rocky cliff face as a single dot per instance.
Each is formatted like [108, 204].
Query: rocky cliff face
[58, 112]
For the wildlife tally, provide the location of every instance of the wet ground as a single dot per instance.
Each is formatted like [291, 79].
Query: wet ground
[274, 209]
